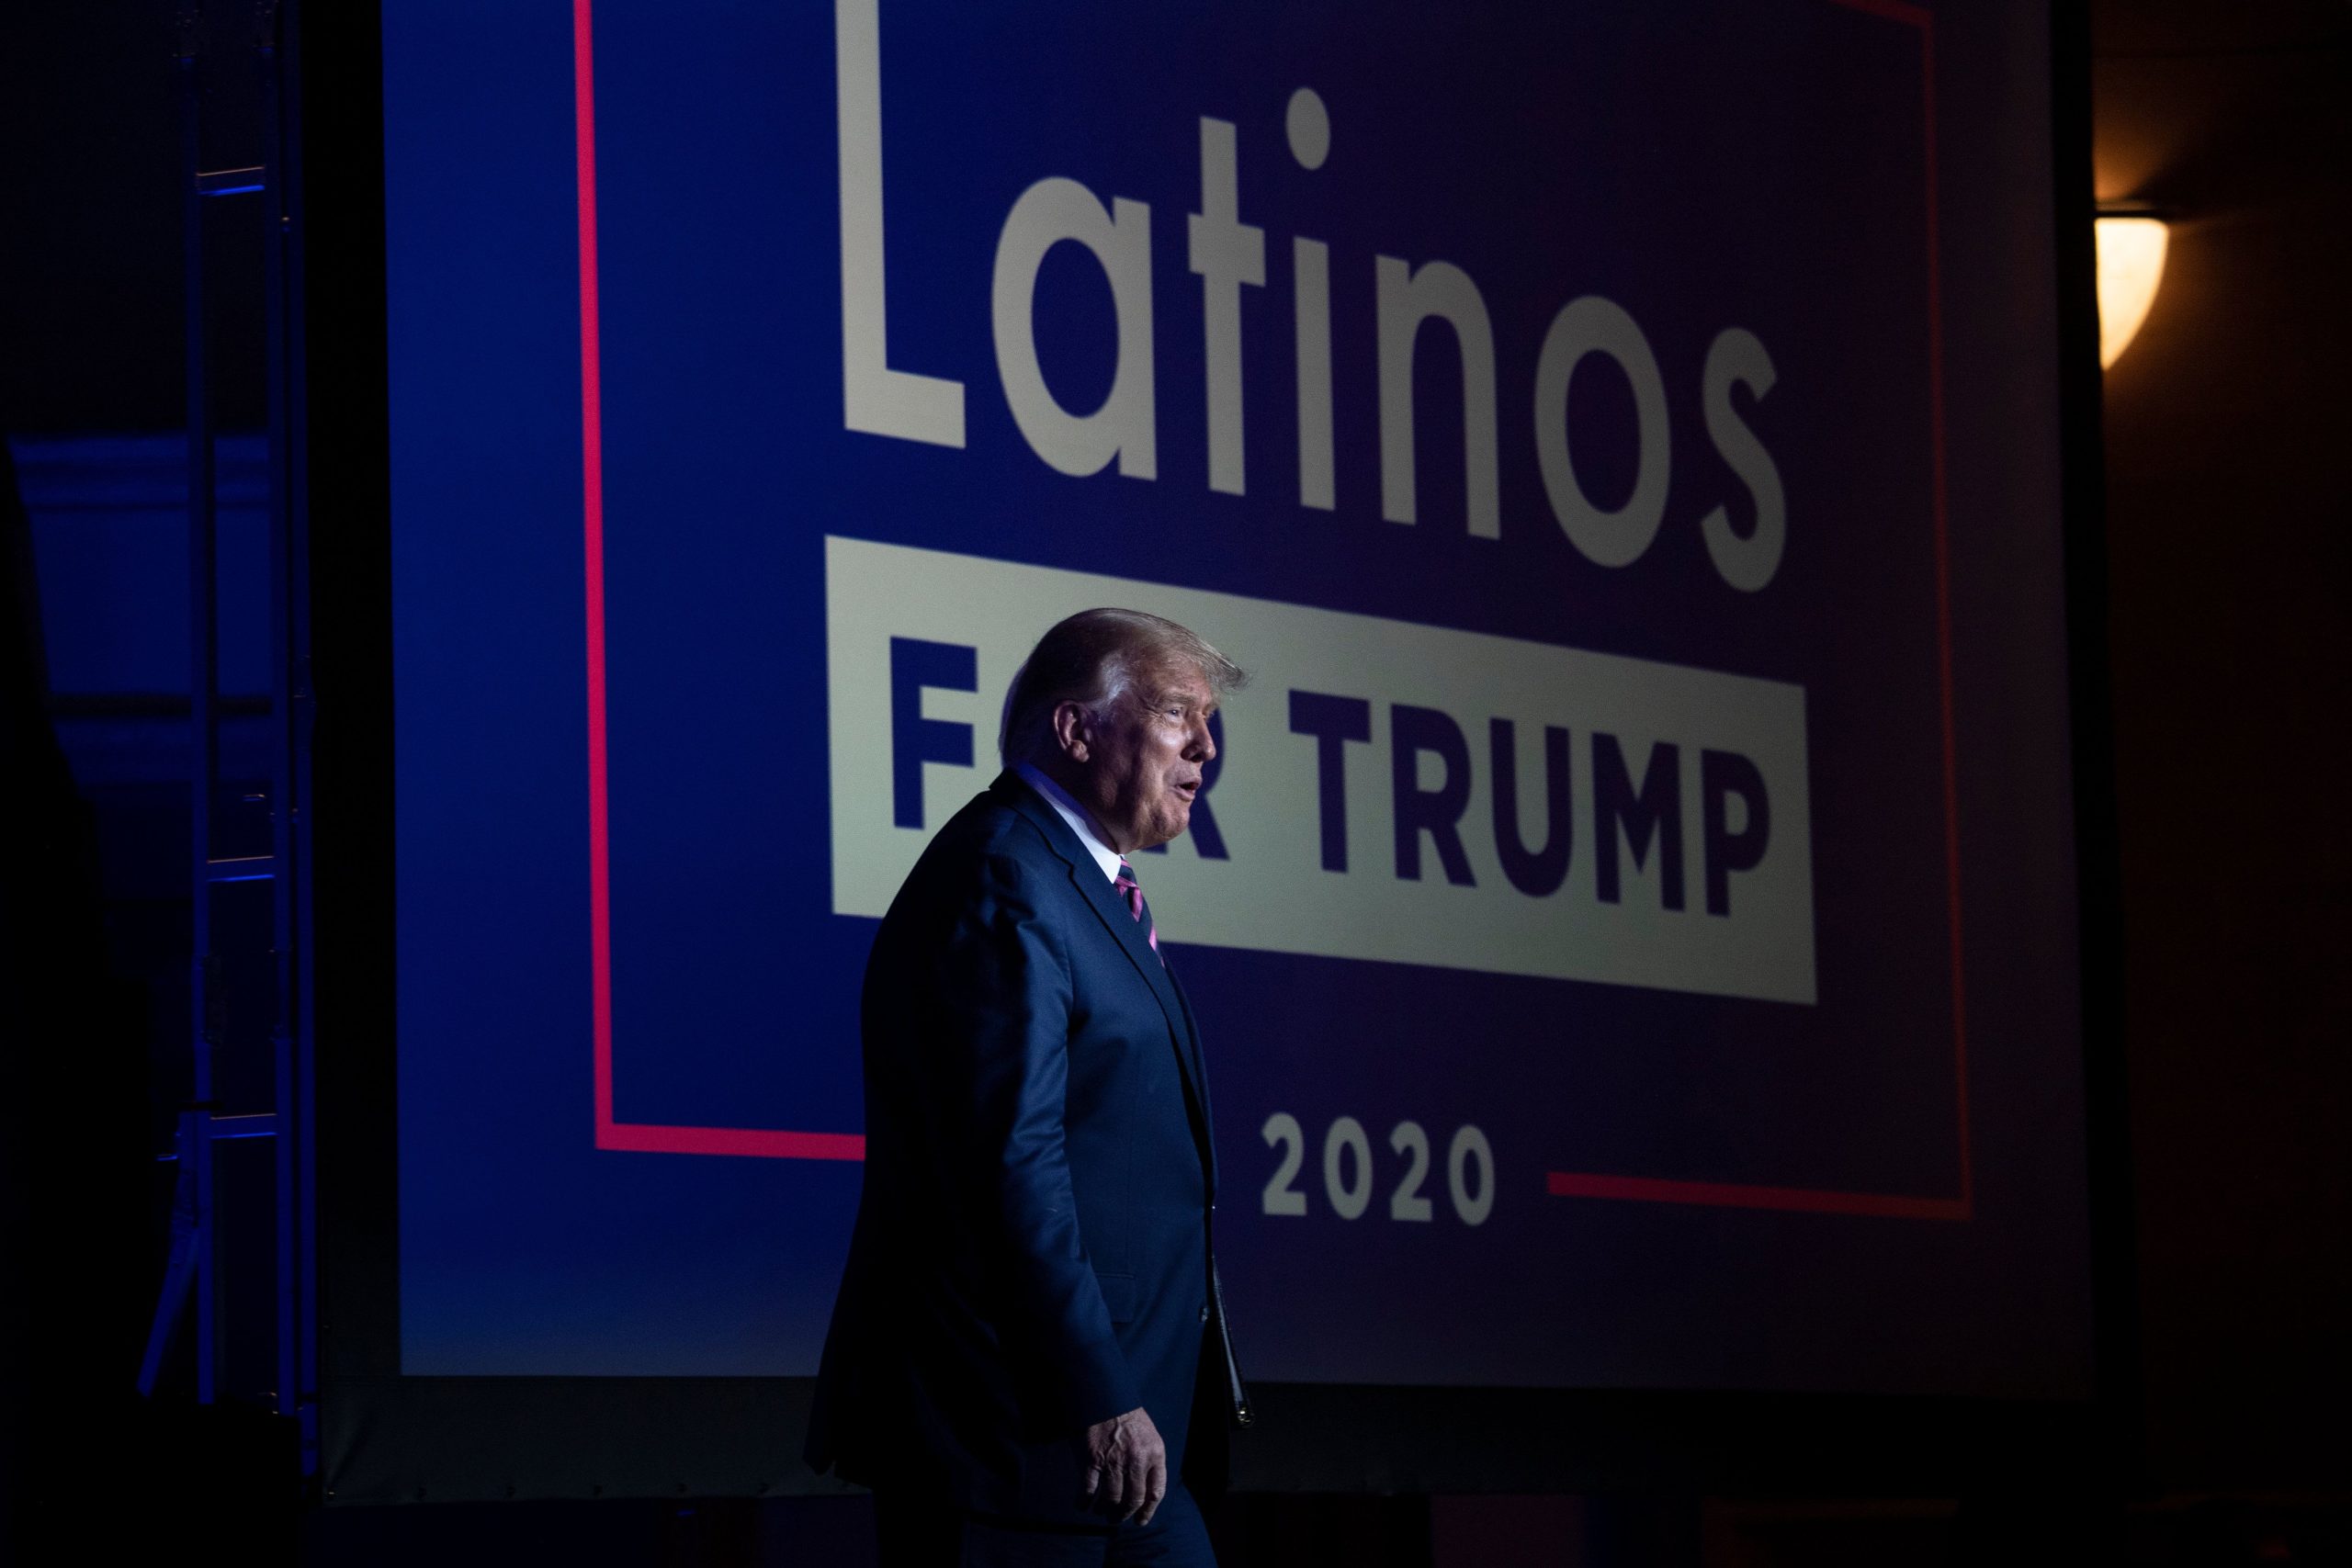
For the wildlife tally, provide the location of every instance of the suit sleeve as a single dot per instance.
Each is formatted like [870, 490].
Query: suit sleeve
[1004, 995]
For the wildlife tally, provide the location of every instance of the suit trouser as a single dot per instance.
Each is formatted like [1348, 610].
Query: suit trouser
[922, 1533]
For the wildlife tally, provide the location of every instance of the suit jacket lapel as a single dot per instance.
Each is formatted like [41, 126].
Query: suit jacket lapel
[1124, 929]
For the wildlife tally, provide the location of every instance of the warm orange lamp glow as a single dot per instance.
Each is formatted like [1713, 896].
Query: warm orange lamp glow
[2131, 264]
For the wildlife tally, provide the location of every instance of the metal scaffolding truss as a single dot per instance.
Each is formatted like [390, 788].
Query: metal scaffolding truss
[239, 58]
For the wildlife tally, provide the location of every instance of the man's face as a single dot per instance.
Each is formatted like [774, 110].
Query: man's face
[1138, 762]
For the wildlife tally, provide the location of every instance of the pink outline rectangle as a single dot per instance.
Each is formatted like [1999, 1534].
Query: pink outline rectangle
[774, 1143]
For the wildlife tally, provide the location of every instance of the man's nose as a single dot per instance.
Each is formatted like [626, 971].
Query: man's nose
[1204, 746]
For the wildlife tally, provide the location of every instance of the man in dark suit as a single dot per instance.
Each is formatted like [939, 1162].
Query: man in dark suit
[1029, 1360]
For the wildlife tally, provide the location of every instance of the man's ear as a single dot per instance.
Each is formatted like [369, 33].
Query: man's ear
[1070, 727]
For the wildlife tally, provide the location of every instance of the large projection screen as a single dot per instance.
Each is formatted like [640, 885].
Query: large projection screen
[1634, 917]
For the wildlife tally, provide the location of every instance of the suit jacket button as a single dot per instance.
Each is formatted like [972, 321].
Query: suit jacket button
[1205, 1312]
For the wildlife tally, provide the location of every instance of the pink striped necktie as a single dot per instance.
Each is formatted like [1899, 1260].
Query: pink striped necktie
[1131, 890]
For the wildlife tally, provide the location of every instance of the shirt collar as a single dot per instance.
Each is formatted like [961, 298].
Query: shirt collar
[1075, 815]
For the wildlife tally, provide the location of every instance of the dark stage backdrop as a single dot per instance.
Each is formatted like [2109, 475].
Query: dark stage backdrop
[1633, 919]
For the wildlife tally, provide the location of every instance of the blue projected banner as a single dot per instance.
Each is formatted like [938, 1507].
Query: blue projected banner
[1630, 916]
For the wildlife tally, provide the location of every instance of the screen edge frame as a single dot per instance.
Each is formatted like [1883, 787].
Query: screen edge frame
[386, 1437]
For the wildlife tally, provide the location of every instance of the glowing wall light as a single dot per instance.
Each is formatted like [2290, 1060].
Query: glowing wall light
[2131, 264]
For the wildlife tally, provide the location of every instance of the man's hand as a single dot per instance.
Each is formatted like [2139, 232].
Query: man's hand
[1127, 1466]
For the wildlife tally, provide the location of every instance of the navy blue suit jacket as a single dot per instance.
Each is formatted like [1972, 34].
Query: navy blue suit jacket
[1033, 1250]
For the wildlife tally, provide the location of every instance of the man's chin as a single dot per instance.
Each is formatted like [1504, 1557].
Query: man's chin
[1171, 828]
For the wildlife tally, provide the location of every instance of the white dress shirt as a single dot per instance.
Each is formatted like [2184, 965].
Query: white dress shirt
[1075, 815]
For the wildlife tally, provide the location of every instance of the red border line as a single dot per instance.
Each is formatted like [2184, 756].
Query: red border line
[592, 480]
[1943, 624]
[1636, 1188]
[758, 1143]
[637, 1136]
[773, 1144]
